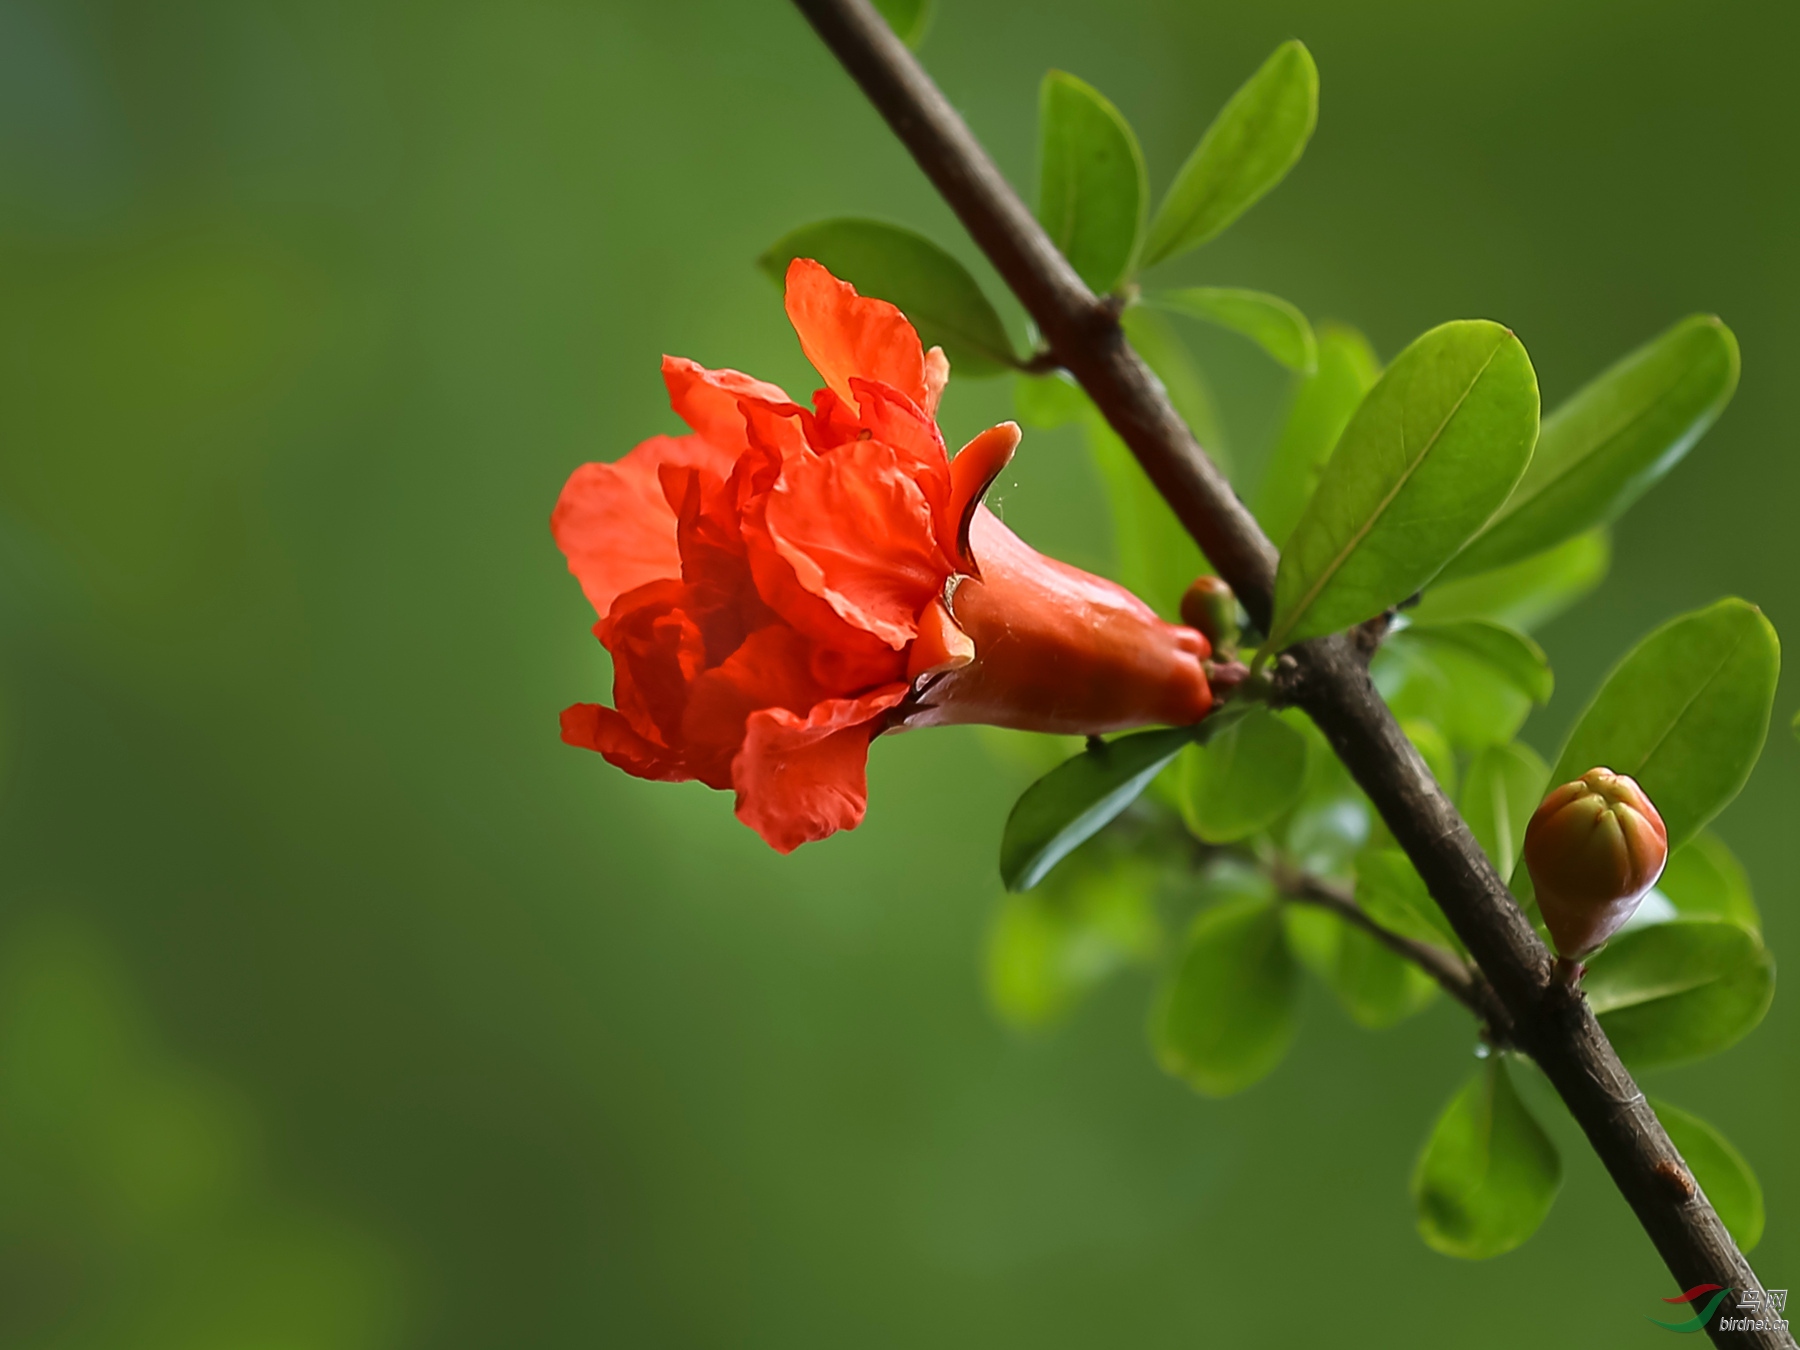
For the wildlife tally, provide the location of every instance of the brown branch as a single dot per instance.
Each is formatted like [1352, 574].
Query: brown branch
[1330, 681]
[1457, 979]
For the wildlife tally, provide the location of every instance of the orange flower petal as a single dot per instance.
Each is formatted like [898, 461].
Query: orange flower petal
[937, 375]
[895, 420]
[799, 777]
[589, 726]
[940, 646]
[771, 669]
[613, 523]
[972, 473]
[844, 334]
[707, 400]
[858, 532]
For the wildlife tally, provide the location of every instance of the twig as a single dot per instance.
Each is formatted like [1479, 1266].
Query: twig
[1460, 981]
[1332, 684]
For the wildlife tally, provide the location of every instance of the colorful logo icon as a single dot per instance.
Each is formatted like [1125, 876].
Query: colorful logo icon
[1699, 1320]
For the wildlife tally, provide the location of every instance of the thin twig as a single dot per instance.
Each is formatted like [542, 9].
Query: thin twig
[1331, 681]
[1458, 979]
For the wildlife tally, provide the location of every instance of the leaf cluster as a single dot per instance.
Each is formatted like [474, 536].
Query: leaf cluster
[1429, 497]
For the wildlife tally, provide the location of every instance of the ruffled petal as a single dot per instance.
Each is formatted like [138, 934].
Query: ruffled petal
[613, 523]
[658, 651]
[895, 420]
[800, 777]
[707, 400]
[590, 726]
[844, 334]
[858, 532]
[771, 670]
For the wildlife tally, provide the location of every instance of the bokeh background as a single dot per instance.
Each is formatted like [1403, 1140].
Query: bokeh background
[342, 1006]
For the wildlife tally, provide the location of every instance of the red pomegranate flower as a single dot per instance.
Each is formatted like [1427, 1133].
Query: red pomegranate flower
[785, 583]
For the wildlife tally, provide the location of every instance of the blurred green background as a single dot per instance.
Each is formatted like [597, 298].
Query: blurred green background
[342, 1006]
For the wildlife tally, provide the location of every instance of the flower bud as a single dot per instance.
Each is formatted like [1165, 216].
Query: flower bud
[1210, 606]
[1595, 848]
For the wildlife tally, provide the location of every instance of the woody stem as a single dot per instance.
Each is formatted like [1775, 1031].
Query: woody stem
[1327, 677]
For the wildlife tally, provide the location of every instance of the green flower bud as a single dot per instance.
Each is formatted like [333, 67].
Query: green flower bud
[1210, 606]
[1595, 848]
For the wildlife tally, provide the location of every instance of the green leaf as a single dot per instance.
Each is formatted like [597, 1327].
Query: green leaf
[1476, 680]
[1330, 825]
[1244, 781]
[1730, 1185]
[1489, 1173]
[1390, 891]
[1095, 916]
[1345, 370]
[1612, 442]
[1704, 880]
[1433, 450]
[907, 270]
[1679, 991]
[1093, 190]
[908, 18]
[1046, 402]
[1267, 320]
[1500, 792]
[1519, 660]
[1523, 595]
[1451, 688]
[1075, 800]
[1378, 987]
[1227, 1014]
[1685, 714]
[1248, 149]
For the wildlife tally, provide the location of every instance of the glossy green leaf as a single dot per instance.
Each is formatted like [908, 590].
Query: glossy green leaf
[1094, 916]
[1704, 880]
[1610, 443]
[1345, 370]
[1267, 320]
[1685, 713]
[1500, 791]
[1226, 1015]
[1390, 891]
[1512, 655]
[1074, 801]
[1730, 1185]
[1244, 779]
[930, 287]
[1489, 1173]
[1524, 595]
[908, 18]
[1093, 190]
[1248, 149]
[1433, 450]
[1474, 704]
[1679, 991]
